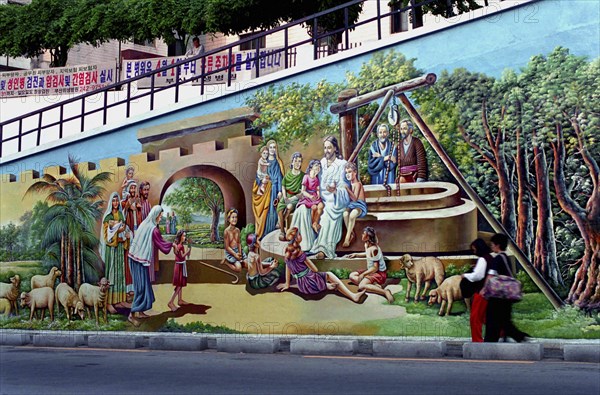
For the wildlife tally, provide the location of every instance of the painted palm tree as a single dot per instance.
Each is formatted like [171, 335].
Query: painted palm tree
[76, 207]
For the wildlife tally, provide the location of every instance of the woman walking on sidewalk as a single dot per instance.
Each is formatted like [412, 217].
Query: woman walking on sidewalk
[499, 311]
[472, 283]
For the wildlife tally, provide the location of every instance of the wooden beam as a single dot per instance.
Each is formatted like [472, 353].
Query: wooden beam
[355, 102]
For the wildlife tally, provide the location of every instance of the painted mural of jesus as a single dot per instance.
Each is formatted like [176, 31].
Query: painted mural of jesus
[335, 196]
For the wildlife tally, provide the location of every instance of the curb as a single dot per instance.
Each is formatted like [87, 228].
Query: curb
[579, 353]
[399, 347]
[56, 340]
[323, 347]
[115, 341]
[248, 344]
[504, 351]
[178, 343]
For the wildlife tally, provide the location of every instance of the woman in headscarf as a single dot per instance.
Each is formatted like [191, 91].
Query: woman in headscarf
[113, 244]
[141, 255]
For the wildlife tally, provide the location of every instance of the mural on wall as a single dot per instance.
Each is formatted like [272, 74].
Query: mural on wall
[312, 222]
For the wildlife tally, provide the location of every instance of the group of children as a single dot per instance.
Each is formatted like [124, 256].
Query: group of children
[263, 274]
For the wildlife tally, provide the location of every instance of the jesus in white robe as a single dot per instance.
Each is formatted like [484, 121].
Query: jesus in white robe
[335, 196]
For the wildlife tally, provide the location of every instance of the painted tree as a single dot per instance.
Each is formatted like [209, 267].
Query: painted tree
[295, 112]
[71, 219]
[32, 231]
[10, 240]
[199, 195]
[481, 118]
[569, 121]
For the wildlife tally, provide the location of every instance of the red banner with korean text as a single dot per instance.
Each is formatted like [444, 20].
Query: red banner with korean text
[56, 81]
[243, 67]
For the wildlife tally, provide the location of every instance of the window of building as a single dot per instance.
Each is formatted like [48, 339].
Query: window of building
[249, 45]
[145, 43]
[398, 21]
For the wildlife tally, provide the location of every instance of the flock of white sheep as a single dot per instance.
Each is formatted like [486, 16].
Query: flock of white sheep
[44, 296]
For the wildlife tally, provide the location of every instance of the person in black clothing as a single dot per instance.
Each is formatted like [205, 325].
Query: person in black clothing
[499, 311]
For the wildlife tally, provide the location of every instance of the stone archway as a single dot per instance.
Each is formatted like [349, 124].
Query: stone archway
[233, 193]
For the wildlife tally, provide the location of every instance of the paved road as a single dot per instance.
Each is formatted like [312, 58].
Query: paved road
[27, 370]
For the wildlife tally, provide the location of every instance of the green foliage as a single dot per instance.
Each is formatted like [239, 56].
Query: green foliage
[240, 16]
[551, 91]
[527, 283]
[452, 270]
[71, 220]
[170, 20]
[60, 323]
[200, 236]
[383, 69]
[399, 274]
[535, 315]
[194, 327]
[441, 7]
[295, 112]
[24, 242]
[342, 273]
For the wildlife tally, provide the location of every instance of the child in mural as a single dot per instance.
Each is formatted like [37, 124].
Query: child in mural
[234, 256]
[260, 274]
[129, 173]
[262, 176]
[291, 190]
[146, 242]
[114, 242]
[180, 272]
[372, 279]
[357, 208]
[308, 278]
[311, 195]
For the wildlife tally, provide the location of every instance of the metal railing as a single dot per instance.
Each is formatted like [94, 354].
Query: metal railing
[41, 117]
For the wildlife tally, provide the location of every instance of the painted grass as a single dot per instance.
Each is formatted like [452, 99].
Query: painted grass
[194, 327]
[60, 323]
[534, 315]
[199, 234]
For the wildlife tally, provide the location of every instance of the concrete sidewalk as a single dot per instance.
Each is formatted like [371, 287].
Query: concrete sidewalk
[399, 347]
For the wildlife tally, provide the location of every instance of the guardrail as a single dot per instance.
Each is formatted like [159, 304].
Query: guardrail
[13, 129]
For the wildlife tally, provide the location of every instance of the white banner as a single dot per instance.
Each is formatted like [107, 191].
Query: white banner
[243, 71]
[56, 81]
